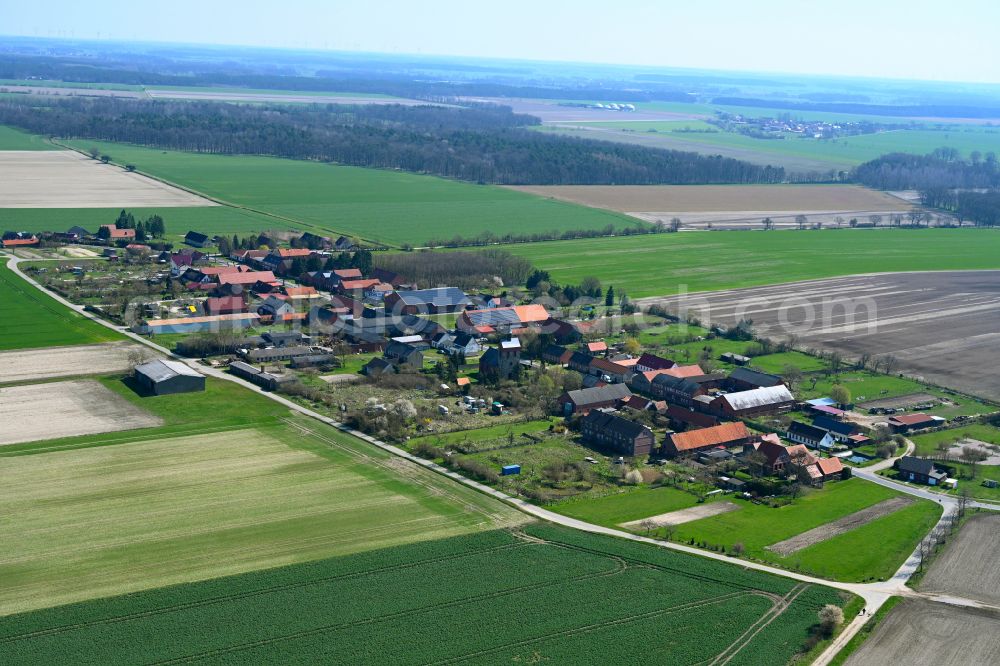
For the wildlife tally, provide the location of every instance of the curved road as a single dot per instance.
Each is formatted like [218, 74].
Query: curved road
[874, 594]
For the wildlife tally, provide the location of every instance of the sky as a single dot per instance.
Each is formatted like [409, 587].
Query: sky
[911, 39]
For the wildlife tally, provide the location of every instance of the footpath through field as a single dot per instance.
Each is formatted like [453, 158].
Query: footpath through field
[874, 594]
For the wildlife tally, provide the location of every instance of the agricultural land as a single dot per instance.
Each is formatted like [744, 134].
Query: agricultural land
[385, 206]
[661, 264]
[494, 597]
[730, 206]
[67, 179]
[892, 314]
[34, 319]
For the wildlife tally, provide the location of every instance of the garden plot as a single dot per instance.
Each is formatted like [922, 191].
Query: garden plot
[839, 526]
[67, 179]
[684, 515]
[33, 412]
[32, 364]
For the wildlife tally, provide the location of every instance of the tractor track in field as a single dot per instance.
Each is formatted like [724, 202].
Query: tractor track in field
[762, 623]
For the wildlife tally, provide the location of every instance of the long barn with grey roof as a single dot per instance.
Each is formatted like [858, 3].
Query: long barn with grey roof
[427, 301]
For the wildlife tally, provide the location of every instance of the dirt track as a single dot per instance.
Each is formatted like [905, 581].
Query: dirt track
[970, 565]
[943, 326]
[30, 364]
[840, 526]
[67, 179]
[32, 412]
[924, 633]
[685, 515]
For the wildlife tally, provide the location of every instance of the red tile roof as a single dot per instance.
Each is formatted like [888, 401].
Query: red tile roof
[683, 371]
[348, 273]
[830, 466]
[598, 346]
[351, 285]
[463, 381]
[248, 277]
[16, 242]
[699, 439]
[911, 419]
[295, 252]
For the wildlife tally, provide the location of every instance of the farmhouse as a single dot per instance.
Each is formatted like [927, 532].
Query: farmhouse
[114, 233]
[274, 307]
[556, 355]
[759, 401]
[283, 338]
[503, 320]
[681, 418]
[607, 430]
[609, 371]
[427, 301]
[920, 470]
[811, 436]
[651, 362]
[745, 379]
[841, 431]
[598, 347]
[680, 390]
[246, 278]
[503, 362]
[21, 241]
[163, 377]
[378, 367]
[225, 305]
[582, 401]
[693, 441]
[688, 371]
[403, 356]
[195, 239]
[909, 422]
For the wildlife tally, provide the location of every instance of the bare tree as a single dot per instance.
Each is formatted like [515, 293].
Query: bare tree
[889, 363]
[792, 375]
[839, 221]
[768, 223]
[675, 224]
[802, 221]
[863, 361]
[963, 502]
[649, 525]
[875, 220]
[738, 549]
[972, 456]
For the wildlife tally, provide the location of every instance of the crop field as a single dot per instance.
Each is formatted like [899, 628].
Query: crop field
[680, 199]
[33, 364]
[874, 550]
[386, 206]
[71, 408]
[892, 314]
[970, 564]
[33, 319]
[206, 219]
[107, 520]
[662, 264]
[13, 139]
[544, 594]
[67, 179]
[924, 633]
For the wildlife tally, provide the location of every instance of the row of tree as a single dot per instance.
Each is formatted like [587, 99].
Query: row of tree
[467, 270]
[941, 170]
[486, 144]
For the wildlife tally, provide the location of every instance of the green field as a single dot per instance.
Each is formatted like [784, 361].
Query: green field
[613, 510]
[144, 513]
[385, 206]
[661, 264]
[33, 319]
[13, 139]
[206, 219]
[489, 598]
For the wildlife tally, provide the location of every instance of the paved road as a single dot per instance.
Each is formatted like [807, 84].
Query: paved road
[874, 594]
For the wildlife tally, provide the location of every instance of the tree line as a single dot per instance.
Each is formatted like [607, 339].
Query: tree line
[943, 169]
[466, 270]
[484, 144]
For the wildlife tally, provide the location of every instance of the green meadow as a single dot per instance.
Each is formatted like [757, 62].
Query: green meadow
[392, 207]
[14, 139]
[34, 319]
[660, 265]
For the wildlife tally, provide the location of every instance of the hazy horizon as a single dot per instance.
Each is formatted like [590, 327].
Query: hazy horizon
[881, 40]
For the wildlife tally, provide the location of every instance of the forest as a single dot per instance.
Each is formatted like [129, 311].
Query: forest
[482, 144]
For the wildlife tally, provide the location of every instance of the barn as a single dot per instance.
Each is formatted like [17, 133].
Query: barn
[163, 377]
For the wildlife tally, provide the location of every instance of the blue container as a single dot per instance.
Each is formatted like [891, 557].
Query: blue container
[507, 470]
